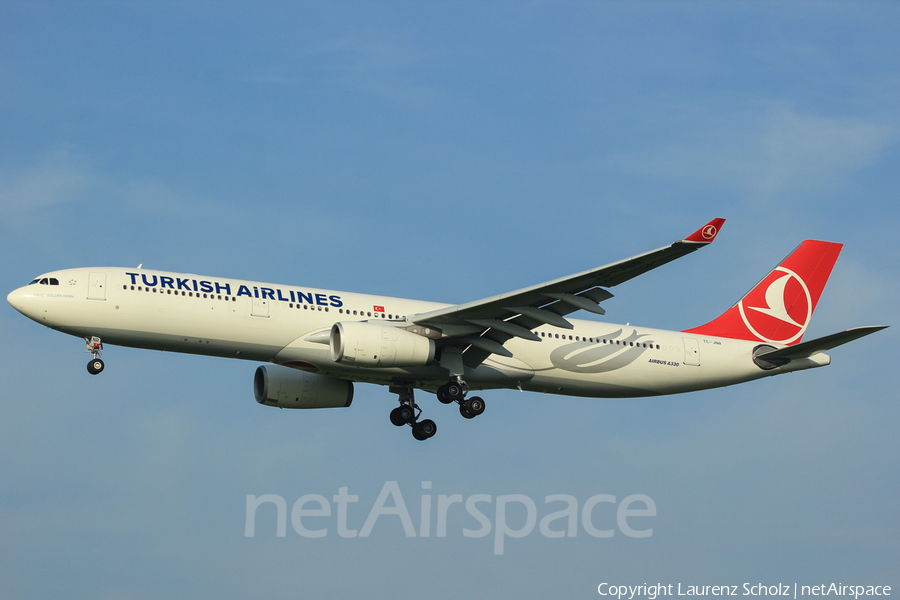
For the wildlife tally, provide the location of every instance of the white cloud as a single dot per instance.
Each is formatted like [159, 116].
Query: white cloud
[57, 178]
[64, 177]
[774, 155]
[389, 70]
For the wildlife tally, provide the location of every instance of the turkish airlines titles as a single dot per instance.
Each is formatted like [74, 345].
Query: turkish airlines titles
[215, 287]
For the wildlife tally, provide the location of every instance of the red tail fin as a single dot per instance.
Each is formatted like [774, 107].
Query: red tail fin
[779, 308]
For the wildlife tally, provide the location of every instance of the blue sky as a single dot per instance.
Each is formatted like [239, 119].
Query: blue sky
[448, 152]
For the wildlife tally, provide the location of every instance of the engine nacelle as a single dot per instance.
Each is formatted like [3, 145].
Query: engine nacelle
[370, 345]
[274, 385]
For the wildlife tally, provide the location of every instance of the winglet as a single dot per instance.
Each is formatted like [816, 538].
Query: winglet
[707, 233]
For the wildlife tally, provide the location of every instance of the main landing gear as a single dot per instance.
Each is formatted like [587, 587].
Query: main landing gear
[94, 346]
[408, 414]
[455, 391]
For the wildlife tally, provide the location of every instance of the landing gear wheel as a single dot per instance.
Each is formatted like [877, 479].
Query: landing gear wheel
[95, 366]
[396, 418]
[442, 395]
[455, 391]
[474, 405]
[450, 392]
[465, 412]
[424, 429]
[406, 413]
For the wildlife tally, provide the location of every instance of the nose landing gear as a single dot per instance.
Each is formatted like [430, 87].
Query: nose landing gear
[94, 346]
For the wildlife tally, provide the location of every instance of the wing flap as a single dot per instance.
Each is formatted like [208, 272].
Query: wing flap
[582, 302]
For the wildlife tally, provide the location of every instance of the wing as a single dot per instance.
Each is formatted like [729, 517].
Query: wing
[481, 328]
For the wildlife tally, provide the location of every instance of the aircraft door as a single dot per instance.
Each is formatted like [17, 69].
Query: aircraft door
[260, 307]
[691, 352]
[97, 286]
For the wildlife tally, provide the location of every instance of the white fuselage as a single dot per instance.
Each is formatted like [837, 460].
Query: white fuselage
[289, 325]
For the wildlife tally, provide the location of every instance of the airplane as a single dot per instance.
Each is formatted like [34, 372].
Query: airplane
[317, 343]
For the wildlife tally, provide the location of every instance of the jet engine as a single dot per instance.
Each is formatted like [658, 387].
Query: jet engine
[274, 385]
[370, 345]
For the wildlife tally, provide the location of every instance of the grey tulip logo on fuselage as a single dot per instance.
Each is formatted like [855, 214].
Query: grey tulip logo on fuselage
[587, 357]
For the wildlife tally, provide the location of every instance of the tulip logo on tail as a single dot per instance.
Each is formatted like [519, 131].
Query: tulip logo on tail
[778, 310]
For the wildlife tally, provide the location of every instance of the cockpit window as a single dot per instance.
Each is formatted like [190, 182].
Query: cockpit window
[45, 281]
[54, 281]
[34, 281]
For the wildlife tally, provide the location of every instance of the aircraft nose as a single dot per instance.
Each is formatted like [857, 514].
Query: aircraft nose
[14, 298]
[18, 299]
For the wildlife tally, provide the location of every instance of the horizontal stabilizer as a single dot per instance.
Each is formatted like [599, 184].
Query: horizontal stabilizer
[807, 349]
